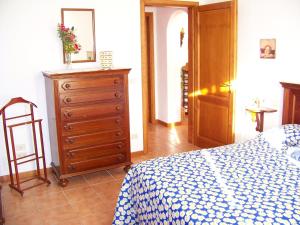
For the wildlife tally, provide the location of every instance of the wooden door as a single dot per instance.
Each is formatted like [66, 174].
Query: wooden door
[213, 104]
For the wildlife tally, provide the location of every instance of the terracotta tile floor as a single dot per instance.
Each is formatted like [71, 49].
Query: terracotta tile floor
[88, 199]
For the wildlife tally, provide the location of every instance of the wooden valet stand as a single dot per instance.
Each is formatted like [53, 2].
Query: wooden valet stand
[15, 182]
[2, 220]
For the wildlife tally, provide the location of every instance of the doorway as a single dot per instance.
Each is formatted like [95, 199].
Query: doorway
[167, 75]
[194, 65]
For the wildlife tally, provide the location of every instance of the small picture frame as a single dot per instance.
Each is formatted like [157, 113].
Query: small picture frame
[106, 60]
[267, 48]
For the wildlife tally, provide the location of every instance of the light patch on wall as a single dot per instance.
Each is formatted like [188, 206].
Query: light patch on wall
[177, 57]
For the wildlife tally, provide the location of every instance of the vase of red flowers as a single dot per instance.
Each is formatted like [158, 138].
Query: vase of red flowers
[69, 41]
[68, 58]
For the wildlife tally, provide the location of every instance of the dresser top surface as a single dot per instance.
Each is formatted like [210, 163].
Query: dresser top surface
[92, 71]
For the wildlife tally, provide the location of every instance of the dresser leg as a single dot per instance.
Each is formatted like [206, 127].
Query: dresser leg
[63, 182]
[126, 168]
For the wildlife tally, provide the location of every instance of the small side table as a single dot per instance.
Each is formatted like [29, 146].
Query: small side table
[259, 113]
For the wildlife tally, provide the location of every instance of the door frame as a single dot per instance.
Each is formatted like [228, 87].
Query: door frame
[150, 72]
[192, 59]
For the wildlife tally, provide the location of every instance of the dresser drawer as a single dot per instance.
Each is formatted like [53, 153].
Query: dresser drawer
[72, 99]
[72, 142]
[91, 111]
[90, 126]
[73, 167]
[81, 154]
[107, 82]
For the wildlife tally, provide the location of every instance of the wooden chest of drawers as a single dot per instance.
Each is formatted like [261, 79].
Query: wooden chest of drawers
[88, 120]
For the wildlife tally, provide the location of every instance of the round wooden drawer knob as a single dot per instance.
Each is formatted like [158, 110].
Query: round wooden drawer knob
[118, 108]
[71, 167]
[68, 100]
[68, 114]
[70, 154]
[70, 140]
[68, 127]
[120, 158]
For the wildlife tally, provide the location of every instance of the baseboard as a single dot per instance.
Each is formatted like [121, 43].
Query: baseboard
[169, 124]
[137, 153]
[27, 174]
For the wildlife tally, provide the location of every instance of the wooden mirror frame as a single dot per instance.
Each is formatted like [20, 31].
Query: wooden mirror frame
[93, 27]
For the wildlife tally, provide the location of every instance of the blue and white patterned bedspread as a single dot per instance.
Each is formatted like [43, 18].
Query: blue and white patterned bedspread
[247, 183]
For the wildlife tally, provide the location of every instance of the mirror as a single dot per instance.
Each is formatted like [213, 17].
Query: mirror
[83, 21]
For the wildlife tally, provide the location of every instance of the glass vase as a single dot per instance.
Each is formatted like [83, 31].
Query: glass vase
[68, 59]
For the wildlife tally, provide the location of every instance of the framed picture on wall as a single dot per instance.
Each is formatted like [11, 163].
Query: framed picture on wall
[267, 48]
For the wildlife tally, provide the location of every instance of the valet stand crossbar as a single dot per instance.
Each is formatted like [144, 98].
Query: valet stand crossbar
[15, 183]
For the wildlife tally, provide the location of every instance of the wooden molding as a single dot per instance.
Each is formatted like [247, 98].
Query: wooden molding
[151, 66]
[220, 5]
[192, 37]
[169, 124]
[144, 75]
[234, 18]
[137, 153]
[171, 3]
[27, 174]
[290, 85]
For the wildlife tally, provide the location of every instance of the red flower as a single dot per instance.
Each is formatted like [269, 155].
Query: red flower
[62, 27]
[68, 38]
[72, 37]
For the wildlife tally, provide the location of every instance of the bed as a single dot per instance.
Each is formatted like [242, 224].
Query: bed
[255, 182]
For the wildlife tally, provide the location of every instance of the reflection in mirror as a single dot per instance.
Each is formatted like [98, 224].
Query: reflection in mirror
[83, 21]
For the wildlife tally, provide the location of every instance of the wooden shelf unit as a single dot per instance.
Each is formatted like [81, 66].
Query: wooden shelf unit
[185, 88]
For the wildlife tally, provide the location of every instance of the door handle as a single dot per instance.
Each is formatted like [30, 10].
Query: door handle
[225, 85]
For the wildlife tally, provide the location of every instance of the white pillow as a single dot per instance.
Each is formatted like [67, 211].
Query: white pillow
[275, 136]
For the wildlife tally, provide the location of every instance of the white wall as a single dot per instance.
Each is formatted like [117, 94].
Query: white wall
[29, 44]
[161, 77]
[260, 77]
[177, 57]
